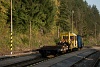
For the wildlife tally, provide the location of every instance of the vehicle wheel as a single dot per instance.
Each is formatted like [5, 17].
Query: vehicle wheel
[43, 55]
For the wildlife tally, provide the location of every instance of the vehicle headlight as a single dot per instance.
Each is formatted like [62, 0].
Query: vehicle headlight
[63, 46]
[61, 49]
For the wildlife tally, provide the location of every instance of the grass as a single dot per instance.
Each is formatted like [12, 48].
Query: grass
[21, 41]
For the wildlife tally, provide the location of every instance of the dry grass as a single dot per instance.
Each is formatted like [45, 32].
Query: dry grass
[21, 41]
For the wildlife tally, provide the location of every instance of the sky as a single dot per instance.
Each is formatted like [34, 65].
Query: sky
[95, 2]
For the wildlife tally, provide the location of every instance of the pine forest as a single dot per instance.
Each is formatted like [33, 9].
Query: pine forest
[39, 22]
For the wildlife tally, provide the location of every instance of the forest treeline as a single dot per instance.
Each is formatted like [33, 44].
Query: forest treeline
[39, 22]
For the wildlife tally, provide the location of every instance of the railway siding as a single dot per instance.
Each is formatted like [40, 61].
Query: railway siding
[89, 61]
[99, 63]
[16, 60]
[65, 60]
[72, 60]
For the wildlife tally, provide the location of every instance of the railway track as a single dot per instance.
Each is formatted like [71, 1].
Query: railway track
[73, 59]
[63, 60]
[5, 57]
[97, 63]
[18, 61]
[18, 54]
[25, 63]
[89, 61]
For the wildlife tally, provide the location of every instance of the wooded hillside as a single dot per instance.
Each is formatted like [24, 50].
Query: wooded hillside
[39, 22]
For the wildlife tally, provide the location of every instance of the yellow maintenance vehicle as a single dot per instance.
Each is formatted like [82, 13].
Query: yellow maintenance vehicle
[74, 41]
[68, 42]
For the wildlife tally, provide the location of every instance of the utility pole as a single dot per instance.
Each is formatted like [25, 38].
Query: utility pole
[11, 45]
[72, 20]
[58, 31]
[95, 33]
[30, 36]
